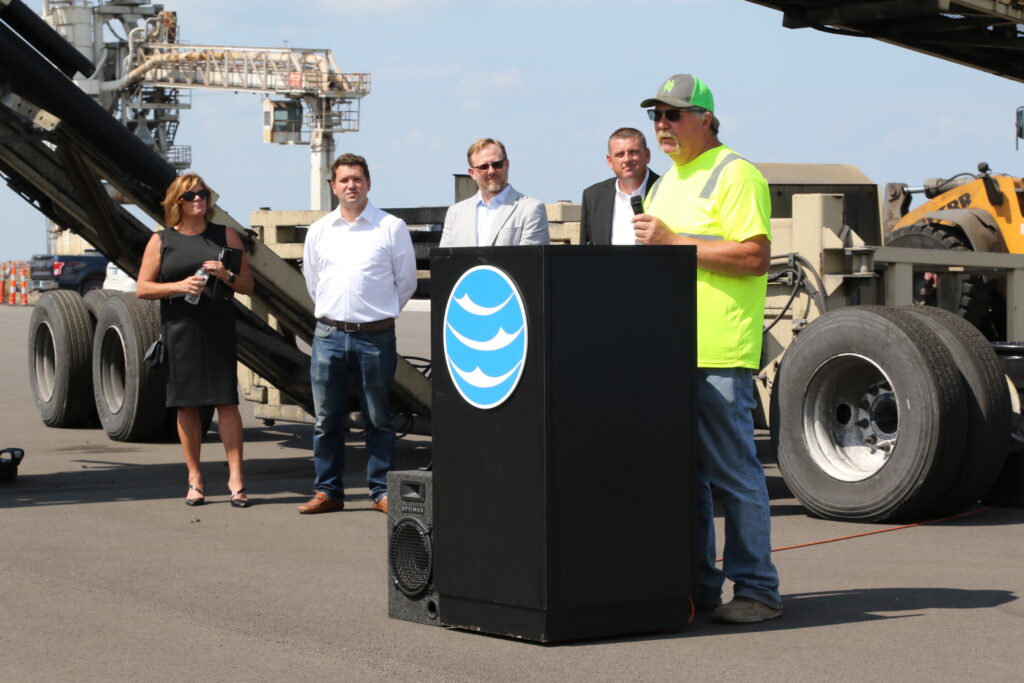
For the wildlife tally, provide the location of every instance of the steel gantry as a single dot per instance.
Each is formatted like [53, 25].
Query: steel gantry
[144, 77]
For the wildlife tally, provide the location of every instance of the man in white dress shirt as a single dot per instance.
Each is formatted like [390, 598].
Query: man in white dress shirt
[497, 215]
[360, 269]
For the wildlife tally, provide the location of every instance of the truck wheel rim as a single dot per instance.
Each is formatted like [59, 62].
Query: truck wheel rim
[45, 365]
[113, 369]
[850, 418]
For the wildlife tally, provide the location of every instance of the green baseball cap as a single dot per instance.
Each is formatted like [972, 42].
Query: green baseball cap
[683, 90]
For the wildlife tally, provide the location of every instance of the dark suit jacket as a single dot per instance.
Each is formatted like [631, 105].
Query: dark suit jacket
[598, 204]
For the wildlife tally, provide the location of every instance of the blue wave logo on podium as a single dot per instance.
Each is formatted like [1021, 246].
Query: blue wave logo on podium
[485, 336]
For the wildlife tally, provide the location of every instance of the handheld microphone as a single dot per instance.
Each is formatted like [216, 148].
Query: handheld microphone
[637, 202]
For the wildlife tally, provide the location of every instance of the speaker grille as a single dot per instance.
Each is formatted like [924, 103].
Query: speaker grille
[411, 557]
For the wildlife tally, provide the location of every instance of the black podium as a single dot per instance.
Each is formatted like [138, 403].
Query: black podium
[563, 439]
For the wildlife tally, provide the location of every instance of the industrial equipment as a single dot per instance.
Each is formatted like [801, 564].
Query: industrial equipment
[146, 74]
[968, 212]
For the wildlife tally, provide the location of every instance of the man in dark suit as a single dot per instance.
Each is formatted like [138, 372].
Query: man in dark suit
[607, 216]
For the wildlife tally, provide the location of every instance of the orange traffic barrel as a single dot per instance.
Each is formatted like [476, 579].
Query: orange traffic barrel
[24, 283]
[12, 284]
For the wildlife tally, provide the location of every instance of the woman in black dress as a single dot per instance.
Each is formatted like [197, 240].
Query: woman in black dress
[199, 338]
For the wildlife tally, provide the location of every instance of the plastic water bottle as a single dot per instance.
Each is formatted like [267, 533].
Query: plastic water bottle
[194, 298]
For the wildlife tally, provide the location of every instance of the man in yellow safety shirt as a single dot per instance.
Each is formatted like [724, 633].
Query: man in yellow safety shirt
[719, 202]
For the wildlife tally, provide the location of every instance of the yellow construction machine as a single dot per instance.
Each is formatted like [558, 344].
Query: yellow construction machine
[968, 212]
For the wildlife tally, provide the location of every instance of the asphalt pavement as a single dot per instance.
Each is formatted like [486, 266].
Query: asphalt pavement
[106, 575]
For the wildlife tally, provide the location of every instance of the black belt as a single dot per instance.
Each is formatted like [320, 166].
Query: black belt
[374, 326]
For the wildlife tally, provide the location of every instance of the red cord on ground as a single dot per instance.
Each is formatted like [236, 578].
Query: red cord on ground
[879, 531]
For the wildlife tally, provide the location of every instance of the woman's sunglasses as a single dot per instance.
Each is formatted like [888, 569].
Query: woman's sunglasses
[192, 194]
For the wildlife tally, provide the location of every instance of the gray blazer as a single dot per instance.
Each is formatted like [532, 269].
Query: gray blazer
[520, 220]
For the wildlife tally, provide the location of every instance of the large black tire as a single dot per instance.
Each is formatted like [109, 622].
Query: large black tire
[988, 405]
[969, 296]
[130, 398]
[59, 352]
[90, 284]
[94, 299]
[872, 419]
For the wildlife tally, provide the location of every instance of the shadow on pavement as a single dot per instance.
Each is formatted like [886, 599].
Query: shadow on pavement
[109, 473]
[830, 608]
[847, 606]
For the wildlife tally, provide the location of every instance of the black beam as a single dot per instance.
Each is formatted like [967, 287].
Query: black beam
[41, 84]
[100, 208]
[849, 15]
[945, 29]
[40, 35]
[27, 137]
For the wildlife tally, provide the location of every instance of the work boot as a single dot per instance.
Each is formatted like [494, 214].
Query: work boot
[744, 611]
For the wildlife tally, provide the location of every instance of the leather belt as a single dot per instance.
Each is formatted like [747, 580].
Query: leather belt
[374, 326]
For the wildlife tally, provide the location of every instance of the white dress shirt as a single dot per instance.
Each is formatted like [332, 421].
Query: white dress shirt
[362, 271]
[622, 213]
[485, 213]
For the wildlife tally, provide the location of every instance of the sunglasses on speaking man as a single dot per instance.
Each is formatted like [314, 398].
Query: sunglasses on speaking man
[192, 194]
[672, 114]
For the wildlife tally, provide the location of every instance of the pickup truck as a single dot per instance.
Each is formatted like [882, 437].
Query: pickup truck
[80, 272]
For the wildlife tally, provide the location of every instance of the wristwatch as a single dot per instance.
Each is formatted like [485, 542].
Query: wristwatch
[231, 278]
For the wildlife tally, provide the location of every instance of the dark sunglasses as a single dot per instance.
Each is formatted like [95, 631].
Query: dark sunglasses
[192, 194]
[671, 114]
[500, 163]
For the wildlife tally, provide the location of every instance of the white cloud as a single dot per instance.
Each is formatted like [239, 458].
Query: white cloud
[414, 74]
[473, 80]
[414, 138]
[362, 7]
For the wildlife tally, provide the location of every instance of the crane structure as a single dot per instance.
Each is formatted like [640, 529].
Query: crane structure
[144, 76]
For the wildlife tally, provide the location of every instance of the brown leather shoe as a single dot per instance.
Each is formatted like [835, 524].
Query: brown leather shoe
[320, 502]
[381, 505]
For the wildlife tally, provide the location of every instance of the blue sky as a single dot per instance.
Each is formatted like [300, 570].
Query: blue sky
[552, 79]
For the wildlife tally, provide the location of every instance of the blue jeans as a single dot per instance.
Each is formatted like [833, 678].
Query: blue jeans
[727, 461]
[370, 357]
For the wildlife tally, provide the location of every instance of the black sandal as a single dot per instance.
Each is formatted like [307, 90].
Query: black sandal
[237, 502]
[192, 502]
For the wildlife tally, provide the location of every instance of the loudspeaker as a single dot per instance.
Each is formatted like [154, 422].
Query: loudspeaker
[411, 592]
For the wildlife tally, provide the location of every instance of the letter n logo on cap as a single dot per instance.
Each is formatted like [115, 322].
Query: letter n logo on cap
[670, 85]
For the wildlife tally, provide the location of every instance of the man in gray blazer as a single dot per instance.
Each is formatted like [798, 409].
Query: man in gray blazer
[607, 217]
[497, 215]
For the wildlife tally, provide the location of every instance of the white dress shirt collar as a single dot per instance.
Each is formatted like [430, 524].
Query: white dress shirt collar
[638, 190]
[496, 200]
[369, 215]
[622, 212]
[485, 215]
